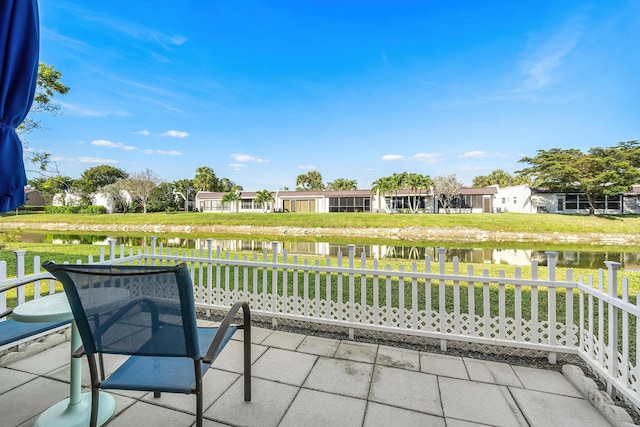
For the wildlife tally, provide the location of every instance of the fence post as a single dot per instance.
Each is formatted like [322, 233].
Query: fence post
[20, 273]
[352, 297]
[441, 299]
[112, 249]
[612, 284]
[209, 273]
[551, 306]
[153, 244]
[274, 282]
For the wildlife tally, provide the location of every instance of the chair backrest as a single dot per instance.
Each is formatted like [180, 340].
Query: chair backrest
[134, 310]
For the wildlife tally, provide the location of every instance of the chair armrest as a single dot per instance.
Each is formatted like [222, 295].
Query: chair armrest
[79, 352]
[214, 348]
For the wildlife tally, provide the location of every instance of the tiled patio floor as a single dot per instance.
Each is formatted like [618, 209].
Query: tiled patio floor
[301, 380]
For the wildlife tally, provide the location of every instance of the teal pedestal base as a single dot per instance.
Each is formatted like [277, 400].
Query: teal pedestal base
[63, 414]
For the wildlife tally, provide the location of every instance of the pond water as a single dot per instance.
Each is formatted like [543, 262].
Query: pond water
[589, 257]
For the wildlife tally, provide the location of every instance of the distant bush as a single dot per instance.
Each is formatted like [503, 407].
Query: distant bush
[31, 209]
[90, 210]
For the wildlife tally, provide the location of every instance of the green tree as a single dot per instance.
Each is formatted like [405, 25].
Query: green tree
[140, 186]
[263, 198]
[311, 181]
[231, 198]
[184, 188]
[94, 178]
[225, 184]
[49, 187]
[205, 179]
[163, 198]
[446, 188]
[598, 172]
[418, 186]
[383, 186]
[342, 184]
[498, 176]
[118, 193]
[48, 84]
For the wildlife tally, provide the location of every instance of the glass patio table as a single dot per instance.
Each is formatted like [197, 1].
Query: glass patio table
[75, 410]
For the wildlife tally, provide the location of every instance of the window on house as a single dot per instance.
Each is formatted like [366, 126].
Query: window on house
[349, 204]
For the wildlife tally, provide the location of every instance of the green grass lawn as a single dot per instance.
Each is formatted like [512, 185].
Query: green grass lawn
[507, 222]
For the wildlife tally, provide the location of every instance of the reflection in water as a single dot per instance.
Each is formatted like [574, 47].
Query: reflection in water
[523, 257]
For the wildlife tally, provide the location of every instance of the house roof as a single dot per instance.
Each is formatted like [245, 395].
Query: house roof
[469, 191]
[342, 193]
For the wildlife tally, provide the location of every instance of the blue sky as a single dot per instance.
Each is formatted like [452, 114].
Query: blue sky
[264, 91]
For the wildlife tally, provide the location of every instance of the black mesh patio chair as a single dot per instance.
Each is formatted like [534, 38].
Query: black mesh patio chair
[147, 313]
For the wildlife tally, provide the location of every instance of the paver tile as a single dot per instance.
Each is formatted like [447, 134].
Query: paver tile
[356, 351]
[284, 366]
[479, 402]
[545, 380]
[406, 389]
[551, 410]
[29, 399]
[491, 372]
[398, 358]
[269, 402]
[378, 415]
[12, 378]
[319, 345]
[339, 376]
[443, 365]
[145, 414]
[285, 340]
[313, 408]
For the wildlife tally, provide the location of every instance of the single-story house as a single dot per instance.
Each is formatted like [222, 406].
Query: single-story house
[472, 200]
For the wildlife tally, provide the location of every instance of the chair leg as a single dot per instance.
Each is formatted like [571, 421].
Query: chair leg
[101, 363]
[95, 404]
[199, 404]
[95, 390]
[247, 361]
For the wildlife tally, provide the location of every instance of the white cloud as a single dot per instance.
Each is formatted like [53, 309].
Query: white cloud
[306, 167]
[247, 158]
[428, 157]
[177, 40]
[392, 157]
[142, 132]
[540, 66]
[77, 110]
[176, 133]
[169, 152]
[97, 160]
[109, 144]
[474, 154]
[237, 166]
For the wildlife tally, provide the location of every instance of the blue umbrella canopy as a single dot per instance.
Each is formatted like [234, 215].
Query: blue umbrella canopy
[19, 48]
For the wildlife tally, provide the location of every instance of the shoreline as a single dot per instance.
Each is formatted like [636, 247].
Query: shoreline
[460, 234]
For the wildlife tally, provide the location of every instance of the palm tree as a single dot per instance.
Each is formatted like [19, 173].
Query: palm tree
[383, 186]
[418, 185]
[311, 181]
[230, 197]
[263, 198]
